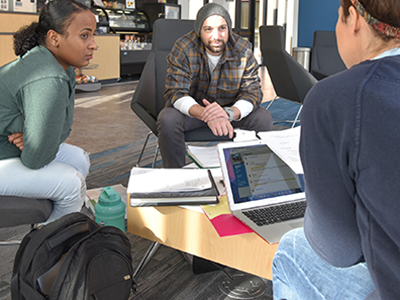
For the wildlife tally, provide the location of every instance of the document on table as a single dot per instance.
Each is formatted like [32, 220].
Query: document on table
[204, 156]
[224, 222]
[146, 180]
[285, 143]
[171, 187]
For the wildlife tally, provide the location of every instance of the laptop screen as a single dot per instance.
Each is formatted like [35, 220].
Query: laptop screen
[256, 173]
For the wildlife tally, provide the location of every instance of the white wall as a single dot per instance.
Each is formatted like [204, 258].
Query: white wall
[184, 9]
[287, 13]
[191, 7]
[293, 22]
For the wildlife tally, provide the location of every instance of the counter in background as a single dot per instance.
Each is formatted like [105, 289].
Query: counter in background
[10, 23]
[107, 57]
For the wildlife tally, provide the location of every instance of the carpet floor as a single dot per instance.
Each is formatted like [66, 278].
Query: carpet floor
[169, 274]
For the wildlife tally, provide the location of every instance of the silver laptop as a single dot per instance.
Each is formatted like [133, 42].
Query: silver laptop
[263, 191]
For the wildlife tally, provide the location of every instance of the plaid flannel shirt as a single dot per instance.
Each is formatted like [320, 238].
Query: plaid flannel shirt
[234, 78]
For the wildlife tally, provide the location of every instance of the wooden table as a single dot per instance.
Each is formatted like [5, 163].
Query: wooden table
[191, 232]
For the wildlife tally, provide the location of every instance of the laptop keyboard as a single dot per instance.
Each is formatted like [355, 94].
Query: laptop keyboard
[277, 213]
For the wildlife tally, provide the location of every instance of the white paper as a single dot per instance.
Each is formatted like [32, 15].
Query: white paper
[207, 156]
[217, 175]
[285, 143]
[98, 3]
[244, 135]
[146, 180]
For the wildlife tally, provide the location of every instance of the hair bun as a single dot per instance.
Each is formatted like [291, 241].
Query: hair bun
[26, 38]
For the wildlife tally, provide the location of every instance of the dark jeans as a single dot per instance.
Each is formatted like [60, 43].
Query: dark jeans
[172, 125]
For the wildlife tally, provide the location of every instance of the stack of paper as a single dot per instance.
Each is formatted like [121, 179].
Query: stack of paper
[285, 143]
[166, 187]
[204, 157]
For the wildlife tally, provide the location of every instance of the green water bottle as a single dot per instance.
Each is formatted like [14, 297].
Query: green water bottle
[110, 210]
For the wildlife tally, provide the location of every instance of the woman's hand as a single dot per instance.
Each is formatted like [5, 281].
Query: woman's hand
[17, 140]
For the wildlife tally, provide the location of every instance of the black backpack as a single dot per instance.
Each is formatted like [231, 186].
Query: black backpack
[73, 258]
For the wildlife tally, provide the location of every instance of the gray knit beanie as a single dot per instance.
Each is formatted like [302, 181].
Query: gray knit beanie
[211, 9]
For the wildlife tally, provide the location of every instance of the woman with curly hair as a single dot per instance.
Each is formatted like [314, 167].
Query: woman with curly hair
[37, 92]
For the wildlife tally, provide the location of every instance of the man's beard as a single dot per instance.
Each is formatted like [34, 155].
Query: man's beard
[214, 49]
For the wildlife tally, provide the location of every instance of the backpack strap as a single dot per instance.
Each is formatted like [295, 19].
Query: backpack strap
[43, 233]
[15, 286]
[73, 230]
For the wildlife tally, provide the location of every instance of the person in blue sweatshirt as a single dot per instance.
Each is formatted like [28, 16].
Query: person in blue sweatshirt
[350, 141]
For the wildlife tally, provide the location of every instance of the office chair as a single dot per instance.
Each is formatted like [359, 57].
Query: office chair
[19, 211]
[291, 80]
[325, 58]
[148, 99]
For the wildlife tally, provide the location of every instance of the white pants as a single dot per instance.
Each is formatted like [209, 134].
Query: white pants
[63, 180]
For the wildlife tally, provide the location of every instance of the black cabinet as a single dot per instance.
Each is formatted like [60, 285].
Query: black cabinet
[133, 61]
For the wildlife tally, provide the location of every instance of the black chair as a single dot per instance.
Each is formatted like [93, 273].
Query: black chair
[290, 79]
[20, 211]
[325, 58]
[148, 99]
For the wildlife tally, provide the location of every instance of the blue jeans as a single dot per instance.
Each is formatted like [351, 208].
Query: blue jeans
[299, 273]
[63, 180]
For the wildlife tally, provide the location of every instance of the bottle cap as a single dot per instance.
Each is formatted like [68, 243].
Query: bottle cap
[109, 197]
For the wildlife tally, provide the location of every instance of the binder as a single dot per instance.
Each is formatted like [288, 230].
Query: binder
[173, 198]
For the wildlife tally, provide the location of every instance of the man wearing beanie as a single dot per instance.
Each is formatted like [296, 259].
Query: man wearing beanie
[212, 81]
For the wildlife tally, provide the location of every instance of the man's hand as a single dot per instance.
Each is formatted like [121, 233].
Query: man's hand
[221, 127]
[212, 112]
[17, 140]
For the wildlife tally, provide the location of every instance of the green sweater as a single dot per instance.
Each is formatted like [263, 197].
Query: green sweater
[37, 99]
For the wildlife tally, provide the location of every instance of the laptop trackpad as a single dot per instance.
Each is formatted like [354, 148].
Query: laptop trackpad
[296, 224]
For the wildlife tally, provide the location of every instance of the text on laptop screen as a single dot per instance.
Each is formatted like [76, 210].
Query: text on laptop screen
[256, 173]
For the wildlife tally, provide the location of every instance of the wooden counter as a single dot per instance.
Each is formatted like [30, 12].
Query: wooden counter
[107, 57]
[7, 51]
[10, 23]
